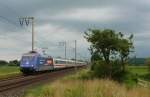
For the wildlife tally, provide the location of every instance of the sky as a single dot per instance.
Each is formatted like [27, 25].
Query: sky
[66, 20]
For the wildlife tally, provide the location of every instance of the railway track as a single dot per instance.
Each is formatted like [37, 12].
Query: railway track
[11, 77]
[22, 81]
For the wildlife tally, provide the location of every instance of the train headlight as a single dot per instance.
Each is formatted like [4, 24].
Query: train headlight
[27, 62]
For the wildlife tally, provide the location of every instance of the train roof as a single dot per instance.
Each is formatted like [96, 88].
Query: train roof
[31, 54]
[34, 53]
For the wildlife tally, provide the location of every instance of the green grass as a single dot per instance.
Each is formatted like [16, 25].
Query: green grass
[7, 71]
[35, 90]
[139, 70]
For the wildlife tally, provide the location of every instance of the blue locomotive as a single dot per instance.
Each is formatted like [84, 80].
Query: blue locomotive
[34, 62]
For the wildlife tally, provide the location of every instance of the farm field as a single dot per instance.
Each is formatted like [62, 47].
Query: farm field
[7, 71]
[72, 86]
[140, 71]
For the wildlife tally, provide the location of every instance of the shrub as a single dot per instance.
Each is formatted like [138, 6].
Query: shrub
[117, 72]
[85, 74]
[100, 69]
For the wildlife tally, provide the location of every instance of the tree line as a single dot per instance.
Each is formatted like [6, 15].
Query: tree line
[10, 63]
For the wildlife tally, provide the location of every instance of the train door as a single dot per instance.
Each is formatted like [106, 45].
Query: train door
[41, 61]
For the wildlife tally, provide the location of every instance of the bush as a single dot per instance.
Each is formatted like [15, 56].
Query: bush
[117, 72]
[82, 74]
[85, 74]
[100, 69]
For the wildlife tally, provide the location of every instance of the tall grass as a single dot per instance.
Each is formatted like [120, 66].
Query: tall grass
[88, 88]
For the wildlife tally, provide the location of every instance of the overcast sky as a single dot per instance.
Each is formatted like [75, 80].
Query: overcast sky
[67, 20]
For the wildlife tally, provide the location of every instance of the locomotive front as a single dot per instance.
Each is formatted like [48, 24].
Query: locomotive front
[28, 62]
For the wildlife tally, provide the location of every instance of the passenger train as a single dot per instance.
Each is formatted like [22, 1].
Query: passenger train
[35, 62]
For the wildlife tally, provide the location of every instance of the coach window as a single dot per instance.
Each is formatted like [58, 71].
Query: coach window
[56, 62]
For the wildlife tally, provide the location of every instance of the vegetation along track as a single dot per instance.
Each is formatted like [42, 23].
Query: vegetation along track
[6, 85]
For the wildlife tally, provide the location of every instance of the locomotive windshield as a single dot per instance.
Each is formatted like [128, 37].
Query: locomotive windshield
[27, 60]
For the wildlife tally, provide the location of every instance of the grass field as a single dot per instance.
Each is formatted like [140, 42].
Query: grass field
[139, 70]
[6, 71]
[73, 86]
[86, 88]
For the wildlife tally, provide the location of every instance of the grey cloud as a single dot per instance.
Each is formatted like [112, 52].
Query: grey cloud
[134, 19]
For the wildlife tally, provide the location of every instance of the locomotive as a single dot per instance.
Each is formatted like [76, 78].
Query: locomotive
[36, 62]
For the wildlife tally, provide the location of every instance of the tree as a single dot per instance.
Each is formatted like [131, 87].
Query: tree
[3, 62]
[95, 55]
[103, 43]
[125, 46]
[106, 45]
[14, 62]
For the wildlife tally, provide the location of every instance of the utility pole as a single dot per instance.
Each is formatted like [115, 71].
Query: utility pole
[27, 21]
[32, 18]
[65, 47]
[75, 44]
[65, 43]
